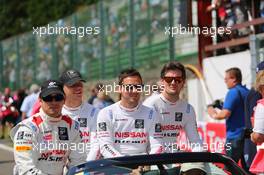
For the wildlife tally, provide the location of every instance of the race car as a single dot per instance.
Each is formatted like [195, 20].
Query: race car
[182, 163]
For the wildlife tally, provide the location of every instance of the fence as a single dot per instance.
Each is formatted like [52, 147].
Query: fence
[121, 34]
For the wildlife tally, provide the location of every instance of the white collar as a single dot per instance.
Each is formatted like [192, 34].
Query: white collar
[167, 101]
[128, 109]
[73, 109]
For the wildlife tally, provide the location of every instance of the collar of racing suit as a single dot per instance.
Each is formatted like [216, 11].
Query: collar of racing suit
[73, 109]
[48, 118]
[167, 101]
[128, 109]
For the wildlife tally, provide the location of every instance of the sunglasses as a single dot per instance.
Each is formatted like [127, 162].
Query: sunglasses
[176, 79]
[131, 87]
[50, 98]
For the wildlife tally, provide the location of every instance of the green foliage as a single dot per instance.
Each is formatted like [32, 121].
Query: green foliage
[20, 16]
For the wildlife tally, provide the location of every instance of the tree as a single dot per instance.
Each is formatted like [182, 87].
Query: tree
[20, 16]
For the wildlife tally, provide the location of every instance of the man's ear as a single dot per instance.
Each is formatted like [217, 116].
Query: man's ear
[234, 80]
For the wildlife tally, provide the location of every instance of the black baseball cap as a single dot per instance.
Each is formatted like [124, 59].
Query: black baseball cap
[70, 77]
[51, 87]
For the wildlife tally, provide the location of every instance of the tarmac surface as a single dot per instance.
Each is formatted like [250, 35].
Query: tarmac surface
[6, 157]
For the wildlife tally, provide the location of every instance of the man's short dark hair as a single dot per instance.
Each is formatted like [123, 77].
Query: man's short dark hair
[235, 73]
[173, 65]
[128, 73]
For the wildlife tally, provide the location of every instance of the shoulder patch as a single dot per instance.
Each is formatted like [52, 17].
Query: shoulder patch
[150, 114]
[111, 114]
[93, 112]
[188, 108]
[32, 126]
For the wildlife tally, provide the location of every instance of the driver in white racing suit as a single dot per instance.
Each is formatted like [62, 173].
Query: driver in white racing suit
[80, 111]
[47, 140]
[128, 127]
[176, 114]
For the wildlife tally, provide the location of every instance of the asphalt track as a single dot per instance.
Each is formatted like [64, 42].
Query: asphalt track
[6, 157]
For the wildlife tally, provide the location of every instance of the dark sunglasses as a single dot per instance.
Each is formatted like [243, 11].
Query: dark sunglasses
[49, 98]
[131, 87]
[176, 79]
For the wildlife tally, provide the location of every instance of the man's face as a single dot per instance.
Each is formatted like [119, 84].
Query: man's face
[75, 91]
[173, 82]
[129, 91]
[230, 81]
[52, 104]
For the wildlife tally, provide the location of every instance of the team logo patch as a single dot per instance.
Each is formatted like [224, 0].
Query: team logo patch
[20, 135]
[139, 123]
[83, 122]
[178, 116]
[158, 127]
[102, 126]
[63, 133]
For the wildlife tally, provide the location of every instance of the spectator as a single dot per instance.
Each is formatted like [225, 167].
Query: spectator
[29, 101]
[250, 102]
[47, 127]
[234, 113]
[128, 127]
[231, 12]
[80, 111]
[102, 100]
[8, 112]
[257, 136]
[94, 92]
[20, 96]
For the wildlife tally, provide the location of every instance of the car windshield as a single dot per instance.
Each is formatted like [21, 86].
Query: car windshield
[186, 163]
[170, 169]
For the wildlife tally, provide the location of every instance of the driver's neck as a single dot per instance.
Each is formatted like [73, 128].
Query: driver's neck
[170, 98]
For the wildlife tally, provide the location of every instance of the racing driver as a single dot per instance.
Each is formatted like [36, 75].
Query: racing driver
[127, 127]
[47, 140]
[80, 111]
[176, 114]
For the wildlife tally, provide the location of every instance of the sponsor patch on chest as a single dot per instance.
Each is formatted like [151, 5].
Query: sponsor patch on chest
[63, 133]
[139, 123]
